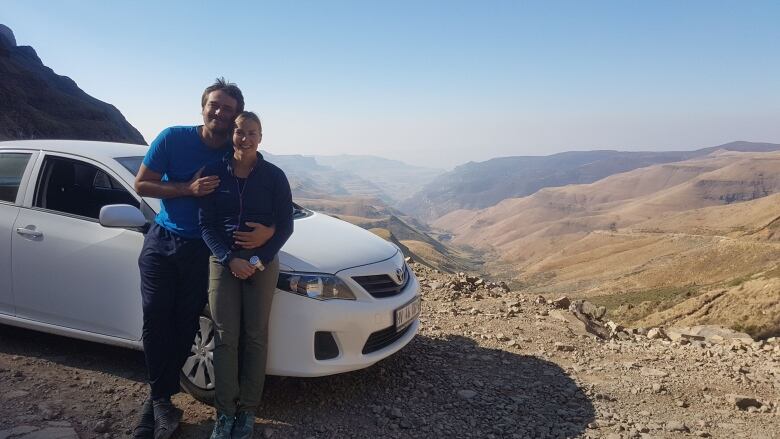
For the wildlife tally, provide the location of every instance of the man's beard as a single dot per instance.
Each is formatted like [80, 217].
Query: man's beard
[221, 129]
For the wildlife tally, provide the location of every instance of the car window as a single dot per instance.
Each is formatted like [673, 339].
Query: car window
[132, 164]
[12, 166]
[78, 188]
[101, 180]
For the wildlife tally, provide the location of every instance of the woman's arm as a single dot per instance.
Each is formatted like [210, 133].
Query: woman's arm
[283, 220]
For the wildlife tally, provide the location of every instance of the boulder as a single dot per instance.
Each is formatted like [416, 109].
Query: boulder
[581, 324]
[677, 426]
[743, 402]
[592, 311]
[709, 333]
[657, 334]
[561, 302]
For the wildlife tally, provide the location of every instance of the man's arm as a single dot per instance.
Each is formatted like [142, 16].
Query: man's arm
[259, 235]
[149, 183]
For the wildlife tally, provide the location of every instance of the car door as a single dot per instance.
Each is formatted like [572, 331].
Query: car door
[14, 170]
[69, 270]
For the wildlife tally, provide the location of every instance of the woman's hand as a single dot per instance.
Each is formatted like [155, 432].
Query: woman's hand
[241, 268]
[259, 235]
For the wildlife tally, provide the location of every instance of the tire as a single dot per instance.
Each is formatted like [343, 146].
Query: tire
[196, 377]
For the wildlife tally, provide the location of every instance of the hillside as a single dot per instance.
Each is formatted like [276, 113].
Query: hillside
[397, 179]
[308, 178]
[409, 235]
[664, 235]
[36, 103]
[616, 201]
[479, 185]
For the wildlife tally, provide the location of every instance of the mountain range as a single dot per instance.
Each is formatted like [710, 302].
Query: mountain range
[390, 181]
[398, 180]
[484, 184]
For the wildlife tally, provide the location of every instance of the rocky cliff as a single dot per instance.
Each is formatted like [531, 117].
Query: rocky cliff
[37, 103]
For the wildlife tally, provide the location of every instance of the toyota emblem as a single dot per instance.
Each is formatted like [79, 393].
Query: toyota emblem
[399, 276]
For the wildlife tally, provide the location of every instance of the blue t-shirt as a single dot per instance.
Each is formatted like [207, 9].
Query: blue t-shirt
[178, 153]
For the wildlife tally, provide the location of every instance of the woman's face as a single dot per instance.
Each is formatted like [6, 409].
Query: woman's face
[246, 135]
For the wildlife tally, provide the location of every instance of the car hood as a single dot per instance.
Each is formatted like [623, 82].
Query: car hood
[324, 244]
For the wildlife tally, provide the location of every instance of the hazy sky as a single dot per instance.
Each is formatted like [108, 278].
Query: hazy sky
[433, 83]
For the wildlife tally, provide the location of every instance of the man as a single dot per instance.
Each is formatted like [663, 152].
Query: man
[174, 258]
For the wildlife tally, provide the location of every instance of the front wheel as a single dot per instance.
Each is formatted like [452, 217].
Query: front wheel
[197, 375]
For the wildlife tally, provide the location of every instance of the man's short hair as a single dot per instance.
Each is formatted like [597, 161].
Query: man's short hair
[229, 88]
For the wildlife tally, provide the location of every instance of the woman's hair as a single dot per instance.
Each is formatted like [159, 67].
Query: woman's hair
[248, 115]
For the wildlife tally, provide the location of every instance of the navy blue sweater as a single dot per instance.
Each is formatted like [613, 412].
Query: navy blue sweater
[266, 199]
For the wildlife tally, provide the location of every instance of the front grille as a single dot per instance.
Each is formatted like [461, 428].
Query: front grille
[384, 338]
[382, 285]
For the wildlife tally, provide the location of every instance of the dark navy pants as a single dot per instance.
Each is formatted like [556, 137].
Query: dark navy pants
[174, 291]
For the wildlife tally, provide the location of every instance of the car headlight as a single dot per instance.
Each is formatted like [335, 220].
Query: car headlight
[314, 285]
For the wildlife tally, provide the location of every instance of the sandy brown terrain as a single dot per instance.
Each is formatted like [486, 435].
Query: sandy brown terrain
[618, 201]
[653, 239]
[487, 364]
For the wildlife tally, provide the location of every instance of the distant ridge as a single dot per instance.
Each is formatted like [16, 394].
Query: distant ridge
[36, 103]
[477, 185]
[741, 146]
[397, 179]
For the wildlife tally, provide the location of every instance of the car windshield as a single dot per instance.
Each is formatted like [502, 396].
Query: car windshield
[133, 164]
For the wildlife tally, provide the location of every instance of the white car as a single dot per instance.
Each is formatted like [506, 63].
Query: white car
[71, 229]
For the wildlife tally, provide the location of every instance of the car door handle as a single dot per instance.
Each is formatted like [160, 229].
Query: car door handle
[27, 232]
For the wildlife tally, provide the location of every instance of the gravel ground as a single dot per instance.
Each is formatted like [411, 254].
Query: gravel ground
[487, 363]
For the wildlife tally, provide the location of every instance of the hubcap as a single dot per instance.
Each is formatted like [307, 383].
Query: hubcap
[199, 367]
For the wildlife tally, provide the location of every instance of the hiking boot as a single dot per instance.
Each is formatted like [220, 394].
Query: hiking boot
[166, 418]
[222, 426]
[244, 425]
[144, 428]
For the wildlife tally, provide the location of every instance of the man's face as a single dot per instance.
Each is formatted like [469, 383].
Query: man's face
[219, 112]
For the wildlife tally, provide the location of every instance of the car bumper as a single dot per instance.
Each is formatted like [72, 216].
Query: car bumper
[295, 320]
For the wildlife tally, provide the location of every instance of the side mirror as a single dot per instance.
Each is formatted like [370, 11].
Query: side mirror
[121, 215]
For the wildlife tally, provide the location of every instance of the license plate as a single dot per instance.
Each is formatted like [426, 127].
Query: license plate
[405, 314]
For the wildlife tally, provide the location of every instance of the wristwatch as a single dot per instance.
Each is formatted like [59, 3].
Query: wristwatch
[254, 260]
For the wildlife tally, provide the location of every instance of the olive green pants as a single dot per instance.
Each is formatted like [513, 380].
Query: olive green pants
[240, 310]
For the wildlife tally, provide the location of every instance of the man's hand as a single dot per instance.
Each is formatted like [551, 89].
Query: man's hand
[149, 183]
[241, 268]
[259, 235]
[201, 186]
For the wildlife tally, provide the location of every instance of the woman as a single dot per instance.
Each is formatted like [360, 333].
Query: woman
[251, 193]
